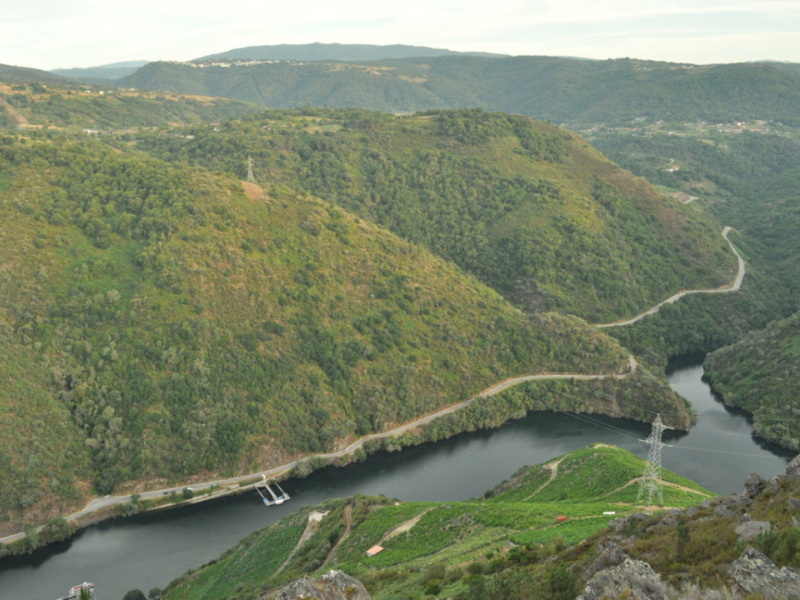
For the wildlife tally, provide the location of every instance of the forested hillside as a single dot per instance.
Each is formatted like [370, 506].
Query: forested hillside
[559, 89]
[169, 325]
[750, 179]
[81, 107]
[528, 208]
[759, 373]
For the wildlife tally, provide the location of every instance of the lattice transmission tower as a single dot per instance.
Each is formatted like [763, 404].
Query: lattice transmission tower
[650, 484]
[250, 176]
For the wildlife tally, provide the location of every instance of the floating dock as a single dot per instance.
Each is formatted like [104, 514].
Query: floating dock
[271, 498]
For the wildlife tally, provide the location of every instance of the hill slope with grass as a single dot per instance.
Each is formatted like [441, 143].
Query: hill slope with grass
[14, 74]
[178, 324]
[77, 107]
[528, 208]
[441, 549]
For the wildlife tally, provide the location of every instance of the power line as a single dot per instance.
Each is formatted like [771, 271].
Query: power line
[720, 451]
[596, 423]
[650, 484]
[612, 429]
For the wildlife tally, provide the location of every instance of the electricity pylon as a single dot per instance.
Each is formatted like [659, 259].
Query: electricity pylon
[650, 484]
[250, 176]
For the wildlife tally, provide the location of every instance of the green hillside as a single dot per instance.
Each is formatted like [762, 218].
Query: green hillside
[748, 177]
[439, 549]
[13, 74]
[81, 107]
[759, 373]
[528, 208]
[559, 89]
[185, 327]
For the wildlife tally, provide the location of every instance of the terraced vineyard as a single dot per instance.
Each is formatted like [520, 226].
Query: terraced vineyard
[539, 509]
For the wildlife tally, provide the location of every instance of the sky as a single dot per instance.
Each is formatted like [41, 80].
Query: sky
[49, 34]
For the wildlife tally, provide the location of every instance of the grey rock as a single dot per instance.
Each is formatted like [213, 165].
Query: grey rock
[611, 556]
[737, 501]
[336, 585]
[754, 573]
[753, 485]
[774, 485]
[621, 523]
[692, 512]
[793, 469]
[722, 511]
[634, 577]
[749, 529]
[705, 503]
[669, 521]
[794, 503]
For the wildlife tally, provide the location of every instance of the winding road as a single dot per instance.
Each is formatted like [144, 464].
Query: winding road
[233, 482]
[734, 287]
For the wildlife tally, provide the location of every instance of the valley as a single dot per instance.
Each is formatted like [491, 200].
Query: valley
[456, 469]
[198, 293]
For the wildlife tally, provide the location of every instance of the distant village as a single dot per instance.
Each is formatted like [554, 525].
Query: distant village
[232, 63]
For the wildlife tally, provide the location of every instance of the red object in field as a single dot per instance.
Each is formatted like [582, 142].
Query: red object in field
[561, 519]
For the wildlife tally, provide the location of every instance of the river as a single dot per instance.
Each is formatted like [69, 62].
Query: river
[150, 550]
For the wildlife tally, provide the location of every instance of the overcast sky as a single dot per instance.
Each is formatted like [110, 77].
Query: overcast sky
[48, 34]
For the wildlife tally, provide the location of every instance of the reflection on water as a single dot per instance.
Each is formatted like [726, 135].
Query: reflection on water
[150, 550]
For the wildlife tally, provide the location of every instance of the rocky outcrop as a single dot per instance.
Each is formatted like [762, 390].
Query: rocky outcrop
[754, 573]
[793, 469]
[747, 529]
[611, 556]
[633, 579]
[753, 485]
[336, 585]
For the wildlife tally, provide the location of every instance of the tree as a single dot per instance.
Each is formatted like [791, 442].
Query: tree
[31, 537]
[561, 584]
[135, 595]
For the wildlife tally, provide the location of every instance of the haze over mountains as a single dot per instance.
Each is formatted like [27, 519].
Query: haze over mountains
[102, 72]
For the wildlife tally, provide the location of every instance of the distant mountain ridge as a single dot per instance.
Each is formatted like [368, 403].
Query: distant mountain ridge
[345, 52]
[109, 72]
[557, 89]
[14, 74]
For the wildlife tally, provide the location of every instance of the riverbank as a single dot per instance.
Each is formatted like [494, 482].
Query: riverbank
[409, 434]
[151, 549]
[405, 435]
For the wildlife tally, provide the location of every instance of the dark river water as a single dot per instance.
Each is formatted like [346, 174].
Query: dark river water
[150, 550]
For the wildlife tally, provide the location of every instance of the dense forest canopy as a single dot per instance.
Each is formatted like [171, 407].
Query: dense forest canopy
[759, 373]
[563, 90]
[527, 207]
[171, 325]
